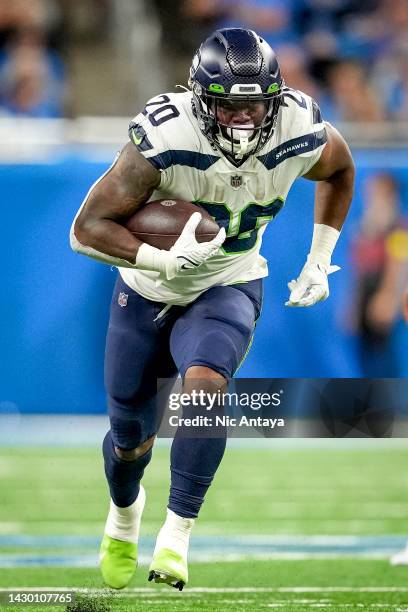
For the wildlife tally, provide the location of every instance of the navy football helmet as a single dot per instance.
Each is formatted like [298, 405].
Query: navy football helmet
[237, 90]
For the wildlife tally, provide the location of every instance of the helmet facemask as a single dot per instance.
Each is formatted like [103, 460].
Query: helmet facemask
[237, 124]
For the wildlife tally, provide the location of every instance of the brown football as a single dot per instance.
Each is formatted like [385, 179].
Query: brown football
[160, 223]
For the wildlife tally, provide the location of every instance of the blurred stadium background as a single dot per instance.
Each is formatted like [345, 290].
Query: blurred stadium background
[72, 74]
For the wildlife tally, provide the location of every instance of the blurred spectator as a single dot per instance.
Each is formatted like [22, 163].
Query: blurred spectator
[395, 15]
[380, 261]
[16, 15]
[187, 23]
[351, 97]
[294, 70]
[205, 14]
[31, 78]
[271, 19]
[31, 74]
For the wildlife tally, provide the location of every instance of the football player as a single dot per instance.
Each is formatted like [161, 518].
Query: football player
[233, 142]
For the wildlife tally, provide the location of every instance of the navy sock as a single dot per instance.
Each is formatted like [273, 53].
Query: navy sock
[123, 476]
[194, 462]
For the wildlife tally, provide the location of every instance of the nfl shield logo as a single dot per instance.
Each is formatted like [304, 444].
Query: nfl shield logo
[123, 299]
[236, 181]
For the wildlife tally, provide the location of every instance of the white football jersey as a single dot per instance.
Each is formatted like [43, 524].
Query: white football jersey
[242, 199]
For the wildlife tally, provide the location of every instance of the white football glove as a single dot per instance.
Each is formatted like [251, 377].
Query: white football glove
[185, 254]
[311, 286]
[190, 253]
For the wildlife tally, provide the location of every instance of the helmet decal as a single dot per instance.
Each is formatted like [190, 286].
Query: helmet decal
[216, 87]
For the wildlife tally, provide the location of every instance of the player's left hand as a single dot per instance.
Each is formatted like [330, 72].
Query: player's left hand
[311, 286]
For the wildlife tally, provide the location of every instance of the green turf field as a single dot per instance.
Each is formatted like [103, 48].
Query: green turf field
[260, 506]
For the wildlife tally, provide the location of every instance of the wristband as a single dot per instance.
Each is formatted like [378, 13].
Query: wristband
[323, 242]
[156, 260]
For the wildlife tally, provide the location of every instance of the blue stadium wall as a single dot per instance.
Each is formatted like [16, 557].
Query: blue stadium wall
[54, 306]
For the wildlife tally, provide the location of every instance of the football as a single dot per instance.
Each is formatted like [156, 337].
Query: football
[160, 223]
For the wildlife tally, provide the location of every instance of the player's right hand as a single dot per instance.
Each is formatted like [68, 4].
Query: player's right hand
[189, 253]
[185, 254]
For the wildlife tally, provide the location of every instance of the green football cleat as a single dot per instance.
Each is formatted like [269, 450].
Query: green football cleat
[118, 561]
[170, 568]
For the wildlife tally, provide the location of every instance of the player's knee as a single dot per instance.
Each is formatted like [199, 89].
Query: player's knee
[135, 453]
[203, 378]
[131, 429]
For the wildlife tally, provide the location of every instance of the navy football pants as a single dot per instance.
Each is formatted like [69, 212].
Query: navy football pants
[215, 331]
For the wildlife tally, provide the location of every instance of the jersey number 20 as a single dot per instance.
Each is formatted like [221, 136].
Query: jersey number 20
[163, 113]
